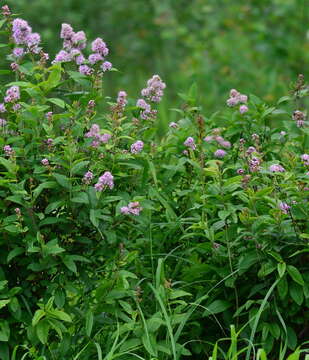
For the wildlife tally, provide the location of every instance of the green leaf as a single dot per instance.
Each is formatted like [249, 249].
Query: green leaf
[281, 267]
[42, 330]
[69, 263]
[79, 166]
[89, 322]
[43, 186]
[61, 315]
[39, 314]
[57, 102]
[15, 252]
[216, 307]
[295, 274]
[296, 292]
[62, 180]
[3, 303]
[81, 198]
[178, 293]
[9, 165]
[4, 330]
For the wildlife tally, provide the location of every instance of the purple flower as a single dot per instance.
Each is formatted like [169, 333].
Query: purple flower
[305, 158]
[16, 107]
[250, 150]
[17, 211]
[99, 46]
[62, 56]
[18, 52]
[106, 179]
[121, 101]
[189, 142]
[154, 89]
[220, 153]
[284, 207]
[12, 94]
[49, 115]
[45, 162]
[254, 164]
[2, 122]
[137, 147]
[94, 58]
[106, 66]
[105, 138]
[276, 168]
[8, 150]
[79, 40]
[243, 109]
[80, 59]
[85, 70]
[2, 108]
[14, 66]
[133, 208]
[66, 32]
[237, 98]
[21, 31]
[208, 138]
[6, 10]
[88, 176]
[173, 125]
[240, 171]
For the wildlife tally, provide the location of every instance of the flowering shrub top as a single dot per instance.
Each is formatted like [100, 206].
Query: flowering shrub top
[89, 194]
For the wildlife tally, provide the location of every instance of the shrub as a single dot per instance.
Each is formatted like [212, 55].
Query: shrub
[118, 242]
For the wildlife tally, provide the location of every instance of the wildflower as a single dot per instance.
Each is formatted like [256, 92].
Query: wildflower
[186, 152]
[276, 168]
[18, 52]
[85, 70]
[94, 58]
[62, 56]
[282, 133]
[6, 10]
[79, 59]
[255, 137]
[3, 122]
[121, 101]
[137, 147]
[190, 143]
[284, 207]
[106, 179]
[99, 46]
[66, 32]
[88, 176]
[79, 40]
[173, 125]
[300, 123]
[220, 153]
[133, 208]
[305, 159]
[2, 108]
[91, 104]
[105, 138]
[45, 162]
[250, 150]
[240, 171]
[237, 98]
[8, 150]
[208, 138]
[17, 211]
[16, 107]
[298, 115]
[243, 109]
[21, 31]
[12, 94]
[254, 164]
[106, 66]
[154, 89]
[49, 115]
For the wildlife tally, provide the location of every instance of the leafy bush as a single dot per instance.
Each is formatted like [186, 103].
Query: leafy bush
[118, 243]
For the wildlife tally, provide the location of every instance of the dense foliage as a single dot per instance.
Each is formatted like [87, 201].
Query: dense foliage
[116, 243]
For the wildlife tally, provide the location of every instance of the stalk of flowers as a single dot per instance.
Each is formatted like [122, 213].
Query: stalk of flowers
[299, 117]
[284, 207]
[12, 94]
[106, 180]
[133, 208]
[190, 143]
[88, 177]
[237, 98]
[8, 150]
[98, 139]
[153, 93]
[137, 147]
[305, 159]
[275, 168]
[73, 45]
[122, 101]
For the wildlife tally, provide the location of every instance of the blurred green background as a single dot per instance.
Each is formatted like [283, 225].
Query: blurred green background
[255, 46]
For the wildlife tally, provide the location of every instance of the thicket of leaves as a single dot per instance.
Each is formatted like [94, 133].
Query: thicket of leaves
[219, 237]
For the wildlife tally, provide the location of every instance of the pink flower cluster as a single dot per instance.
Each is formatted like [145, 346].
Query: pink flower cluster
[146, 111]
[23, 35]
[121, 102]
[88, 176]
[154, 90]
[237, 98]
[284, 207]
[276, 168]
[137, 147]
[299, 117]
[219, 139]
[12, 94]
[305, 159]
[190, 143]
[133, 208]
[220, 153]
[254, 164]
[106, 180]
[8, 150]
[74, 43]
[94, 133]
